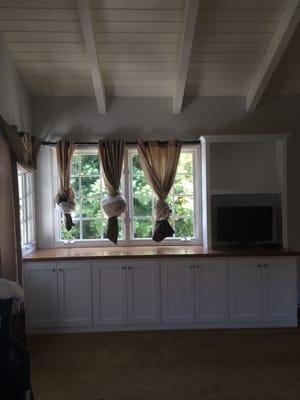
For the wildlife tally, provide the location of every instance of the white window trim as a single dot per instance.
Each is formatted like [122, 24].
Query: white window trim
[127, 220]
[28, 179]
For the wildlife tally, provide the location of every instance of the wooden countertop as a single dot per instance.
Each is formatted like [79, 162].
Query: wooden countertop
[92, 253]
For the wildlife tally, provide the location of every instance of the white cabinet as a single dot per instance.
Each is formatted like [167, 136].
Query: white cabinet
[41, 295]
[279, 279]
[74, 288]
[177, 290]
[263, 290]
[58, 295]
[211, 304]
[245, 290]
[109, 281]
[143, 286]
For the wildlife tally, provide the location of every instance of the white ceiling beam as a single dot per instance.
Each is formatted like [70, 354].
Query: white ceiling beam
[189, 25]
[278, 44]
[84, 8]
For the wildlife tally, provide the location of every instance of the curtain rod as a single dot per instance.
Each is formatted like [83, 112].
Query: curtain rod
[49, 143]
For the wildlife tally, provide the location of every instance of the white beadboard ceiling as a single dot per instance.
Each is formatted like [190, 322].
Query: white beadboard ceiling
[147, 47]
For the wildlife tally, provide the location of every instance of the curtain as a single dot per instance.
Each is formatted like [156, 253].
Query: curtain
[65, 197]
[24, 147]
[111, 154]
[24, 151]
[159, 162]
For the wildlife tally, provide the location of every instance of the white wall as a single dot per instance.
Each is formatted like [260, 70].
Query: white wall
[15, 105]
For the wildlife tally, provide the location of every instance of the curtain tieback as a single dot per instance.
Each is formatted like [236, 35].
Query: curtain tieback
[65, 200]
[162, 210]
[114, 206]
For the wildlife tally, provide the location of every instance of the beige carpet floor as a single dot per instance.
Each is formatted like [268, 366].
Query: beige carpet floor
[171, 365]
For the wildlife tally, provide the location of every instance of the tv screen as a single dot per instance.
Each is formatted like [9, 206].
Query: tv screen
[244, 224]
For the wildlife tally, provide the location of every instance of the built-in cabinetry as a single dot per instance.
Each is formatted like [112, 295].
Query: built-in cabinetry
[243, 170]
[58, 294]
[145, 293]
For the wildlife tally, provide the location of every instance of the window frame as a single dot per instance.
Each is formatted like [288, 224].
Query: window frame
[27, 222]
[128, 220]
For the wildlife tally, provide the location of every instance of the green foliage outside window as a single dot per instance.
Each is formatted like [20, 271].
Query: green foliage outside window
[89, 219]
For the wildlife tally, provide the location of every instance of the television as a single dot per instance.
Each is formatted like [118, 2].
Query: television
[244, 225]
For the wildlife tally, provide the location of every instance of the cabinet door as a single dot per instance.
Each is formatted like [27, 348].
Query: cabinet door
[211, 290]
[245, 284]
[109, 280]
[177, 290]
[279, 289]
[143, 287]
[41, 296]
[75, 303]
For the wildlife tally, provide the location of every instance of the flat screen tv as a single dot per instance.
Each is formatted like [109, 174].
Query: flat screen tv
[244, 224]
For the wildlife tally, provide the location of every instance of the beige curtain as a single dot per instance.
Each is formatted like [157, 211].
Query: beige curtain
[13, 149]
[159, 161]
[65, 197]
[111, 154]
[24, 147]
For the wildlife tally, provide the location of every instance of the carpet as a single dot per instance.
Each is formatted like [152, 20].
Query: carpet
[168, 365]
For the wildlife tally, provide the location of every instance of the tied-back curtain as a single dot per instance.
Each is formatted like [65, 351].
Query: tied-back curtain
[159, 162]
[22, 149]
[111, 154]
[65, 198]
[23, 146]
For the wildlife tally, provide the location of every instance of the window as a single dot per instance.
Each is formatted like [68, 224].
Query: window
[25, 183]
[88, 185]
[181, 199]
[89, 220]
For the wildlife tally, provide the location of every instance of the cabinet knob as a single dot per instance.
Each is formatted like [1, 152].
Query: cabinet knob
[129, 267]
[53, 270]
[191, 266]
[265, 265]
[123, 268]
[60, 269]
[259, 265]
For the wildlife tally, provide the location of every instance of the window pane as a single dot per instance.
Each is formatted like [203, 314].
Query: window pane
[73, 234]
[136, 165]
[92, 229]
[142, 228]
[184, 227]
[75, 186]
[90, 186]
[183, 206]
[89, 164]
[75, 165]
[185, 163]
[183, 184]
[142, 206]
[91, 207]
[140, 186]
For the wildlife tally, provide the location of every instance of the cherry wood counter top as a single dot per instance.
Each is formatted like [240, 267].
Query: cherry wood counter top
[94, 253]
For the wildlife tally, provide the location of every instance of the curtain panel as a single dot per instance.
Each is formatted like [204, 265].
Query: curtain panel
[65, 198]
[15, 149]
[111, 154]
[159, 162]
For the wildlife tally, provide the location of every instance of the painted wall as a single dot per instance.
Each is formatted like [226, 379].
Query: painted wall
[15, 104]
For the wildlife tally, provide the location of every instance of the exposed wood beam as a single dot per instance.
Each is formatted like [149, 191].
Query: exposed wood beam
[279, 42]
[84, 8]
[189, 25]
